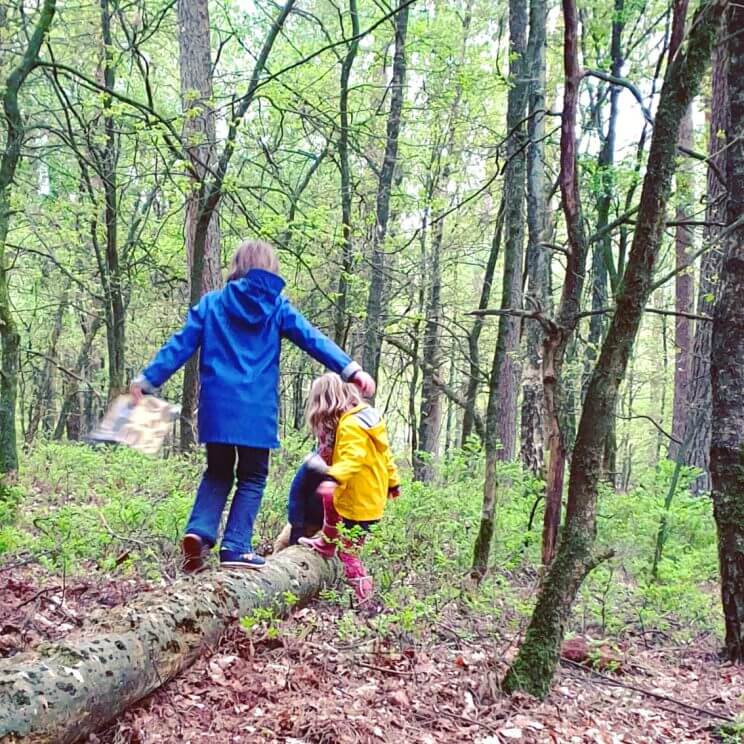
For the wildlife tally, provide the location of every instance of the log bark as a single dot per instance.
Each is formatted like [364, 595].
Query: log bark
[64, 691]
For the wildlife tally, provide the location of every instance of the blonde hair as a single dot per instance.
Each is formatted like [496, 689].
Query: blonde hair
[253, 254]
[330, 398]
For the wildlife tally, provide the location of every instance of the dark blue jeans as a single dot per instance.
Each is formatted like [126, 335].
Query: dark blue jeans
[305, 509]
[215, 487]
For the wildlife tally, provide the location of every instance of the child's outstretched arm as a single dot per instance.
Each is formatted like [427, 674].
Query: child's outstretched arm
[307, 337]
[174, 353]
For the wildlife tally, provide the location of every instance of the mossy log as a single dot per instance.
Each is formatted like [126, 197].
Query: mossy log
[63, 691]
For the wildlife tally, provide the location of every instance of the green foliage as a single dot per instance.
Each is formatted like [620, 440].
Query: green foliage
[76, 506]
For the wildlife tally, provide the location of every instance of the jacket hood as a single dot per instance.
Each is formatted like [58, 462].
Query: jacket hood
[371, 421]
[254, 297]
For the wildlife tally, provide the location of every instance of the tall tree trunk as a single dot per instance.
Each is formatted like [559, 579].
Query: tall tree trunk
[501, 422]
[683, 281]
[560, 333]
[195, 65]
[339, 325]
[538, 257]
[474, 370]
[727, 363]
[430, 419]
[602, 259]
[699, 389]
[41, 409]
[536, 660]
[374, 324]
[71, 416]
[115, 318]
[9, 334]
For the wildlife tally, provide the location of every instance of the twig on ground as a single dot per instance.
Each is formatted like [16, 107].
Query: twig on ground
[400, 673]
[649, 693]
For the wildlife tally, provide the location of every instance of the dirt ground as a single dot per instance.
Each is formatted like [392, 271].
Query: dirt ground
[306, 684]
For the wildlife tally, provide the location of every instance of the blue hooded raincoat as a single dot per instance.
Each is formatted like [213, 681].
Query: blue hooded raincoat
[239, 330]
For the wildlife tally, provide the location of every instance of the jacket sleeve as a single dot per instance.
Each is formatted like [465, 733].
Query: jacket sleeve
[350, 452]
[307, 337]
[392, 468]
[178, 349]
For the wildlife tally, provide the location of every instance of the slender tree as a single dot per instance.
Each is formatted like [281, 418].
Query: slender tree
[502, 403]
[340, 321]
[11, 155]
[683, 280]
[538, 257]
[374, 324]
[195, 66]
[699, 390]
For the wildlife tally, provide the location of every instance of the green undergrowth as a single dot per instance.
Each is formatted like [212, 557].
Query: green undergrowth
[80, 509]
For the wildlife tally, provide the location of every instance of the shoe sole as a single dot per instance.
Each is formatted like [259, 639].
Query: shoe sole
[194, 552]
[237, 564]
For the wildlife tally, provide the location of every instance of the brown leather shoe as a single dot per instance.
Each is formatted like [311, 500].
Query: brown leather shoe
[195, 551]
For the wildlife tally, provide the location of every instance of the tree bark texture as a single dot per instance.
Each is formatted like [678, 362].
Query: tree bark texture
[532, 418]
[430, 418]
[506, 365]
[699, 389]
[340, 320]
[536, 660]
[560, 333]
[374, 323]
[470, 413]
[112, 275]
[603, 268]
[684, 289]
[64, 691]
[9, 334]
[42, 407]
[195, 66]
[727, 364]
[501, 424]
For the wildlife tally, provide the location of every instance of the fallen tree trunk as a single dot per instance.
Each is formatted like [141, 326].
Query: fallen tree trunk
[63, 691]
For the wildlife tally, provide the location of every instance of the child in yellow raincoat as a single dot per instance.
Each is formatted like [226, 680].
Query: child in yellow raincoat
[358, 472]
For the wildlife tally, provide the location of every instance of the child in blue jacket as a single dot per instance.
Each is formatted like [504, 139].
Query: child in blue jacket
[238, 331]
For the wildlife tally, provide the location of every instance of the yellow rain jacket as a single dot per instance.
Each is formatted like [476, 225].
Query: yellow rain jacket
[362, 465]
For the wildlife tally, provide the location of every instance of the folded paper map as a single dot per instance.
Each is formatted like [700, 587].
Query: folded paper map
[143, 427]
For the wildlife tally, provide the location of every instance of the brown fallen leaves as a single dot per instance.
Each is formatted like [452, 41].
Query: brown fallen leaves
[315, 687]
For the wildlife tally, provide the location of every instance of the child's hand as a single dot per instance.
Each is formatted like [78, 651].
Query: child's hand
[365, 383]
[393, 492]
[326, 489]
[137, 392]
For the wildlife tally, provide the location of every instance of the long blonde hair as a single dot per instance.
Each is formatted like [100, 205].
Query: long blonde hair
[330, 398]
[253, 254]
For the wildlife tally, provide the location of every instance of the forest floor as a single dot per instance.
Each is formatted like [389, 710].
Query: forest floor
[308, 679]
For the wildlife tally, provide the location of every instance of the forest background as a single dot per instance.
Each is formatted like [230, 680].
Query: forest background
[457, 193]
